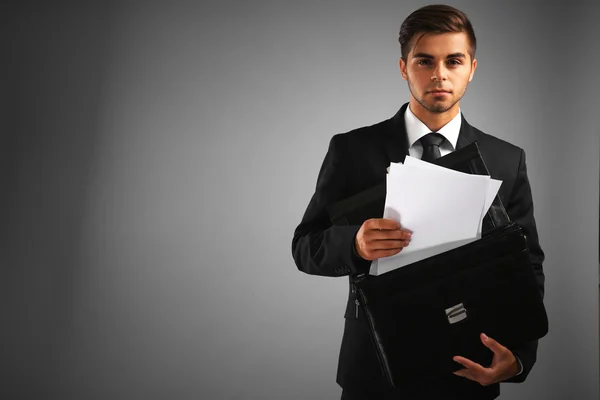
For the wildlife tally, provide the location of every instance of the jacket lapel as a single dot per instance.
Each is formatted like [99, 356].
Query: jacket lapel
[395, 139]
[466, 135]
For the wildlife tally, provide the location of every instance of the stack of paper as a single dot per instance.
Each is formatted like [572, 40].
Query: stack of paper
[443, 209]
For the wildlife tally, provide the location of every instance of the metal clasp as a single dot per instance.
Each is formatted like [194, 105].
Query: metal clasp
[456, 314]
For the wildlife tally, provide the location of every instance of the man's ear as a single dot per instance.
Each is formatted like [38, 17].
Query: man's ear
[402, 65]
[473, 68]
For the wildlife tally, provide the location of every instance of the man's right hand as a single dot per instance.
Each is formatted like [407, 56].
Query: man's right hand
[380, 237]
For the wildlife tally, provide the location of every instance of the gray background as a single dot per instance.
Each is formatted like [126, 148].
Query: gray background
[155, 160]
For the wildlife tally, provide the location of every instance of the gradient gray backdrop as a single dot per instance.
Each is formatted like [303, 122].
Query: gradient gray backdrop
[155, 159]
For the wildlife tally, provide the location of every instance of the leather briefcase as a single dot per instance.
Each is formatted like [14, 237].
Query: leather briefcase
[423, 314]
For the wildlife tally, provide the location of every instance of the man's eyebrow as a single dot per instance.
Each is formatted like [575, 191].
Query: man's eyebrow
[423, 55]
[429, 56]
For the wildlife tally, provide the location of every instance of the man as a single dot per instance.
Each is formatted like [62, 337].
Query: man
[438, 62]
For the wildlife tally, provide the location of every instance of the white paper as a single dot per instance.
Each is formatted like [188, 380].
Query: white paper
[443, 208]
[493, 188]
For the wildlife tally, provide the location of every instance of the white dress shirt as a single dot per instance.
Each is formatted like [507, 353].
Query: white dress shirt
[415, 129]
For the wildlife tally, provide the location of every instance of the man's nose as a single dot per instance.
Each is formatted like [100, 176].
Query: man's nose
[439, 73]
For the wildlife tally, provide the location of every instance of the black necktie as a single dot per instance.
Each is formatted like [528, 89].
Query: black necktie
[431, 146]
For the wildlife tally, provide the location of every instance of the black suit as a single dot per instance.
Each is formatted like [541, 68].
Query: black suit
[357, 160]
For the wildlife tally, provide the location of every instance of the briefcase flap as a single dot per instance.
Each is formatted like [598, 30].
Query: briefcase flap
[423, 314]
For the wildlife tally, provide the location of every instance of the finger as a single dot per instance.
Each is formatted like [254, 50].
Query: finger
[399, 234]
[470, 365]
[373, 236]
[474, 371]
[384, 253]
[388, 244]
[465, 373]
[493, 345]
[483, 380]
[381, 223]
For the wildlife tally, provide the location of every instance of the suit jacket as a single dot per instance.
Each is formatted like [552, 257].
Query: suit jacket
[357, 160]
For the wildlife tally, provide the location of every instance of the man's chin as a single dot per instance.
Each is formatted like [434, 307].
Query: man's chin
[438, 107]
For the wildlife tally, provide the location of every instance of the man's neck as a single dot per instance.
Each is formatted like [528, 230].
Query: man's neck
[433, 121]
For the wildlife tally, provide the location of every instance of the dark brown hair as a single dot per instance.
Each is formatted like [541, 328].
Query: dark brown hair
[437, 18]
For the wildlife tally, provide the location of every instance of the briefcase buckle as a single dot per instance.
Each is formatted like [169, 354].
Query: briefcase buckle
[456, 313]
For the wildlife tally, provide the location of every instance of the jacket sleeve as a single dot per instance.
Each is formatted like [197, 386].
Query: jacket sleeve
[520, 210]
[318, 247]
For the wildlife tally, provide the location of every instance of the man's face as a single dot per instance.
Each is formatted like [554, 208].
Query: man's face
[438, 69]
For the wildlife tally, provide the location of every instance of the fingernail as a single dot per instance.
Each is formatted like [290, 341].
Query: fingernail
[485, 336]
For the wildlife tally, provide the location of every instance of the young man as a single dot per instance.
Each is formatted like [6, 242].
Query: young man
[438, 62]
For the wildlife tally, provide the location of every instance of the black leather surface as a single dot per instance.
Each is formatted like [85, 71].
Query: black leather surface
[492, 278]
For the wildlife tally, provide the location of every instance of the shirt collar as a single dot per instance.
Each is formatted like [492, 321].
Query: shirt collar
[415, 129]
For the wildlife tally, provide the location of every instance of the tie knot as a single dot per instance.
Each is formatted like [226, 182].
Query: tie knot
[432, 139]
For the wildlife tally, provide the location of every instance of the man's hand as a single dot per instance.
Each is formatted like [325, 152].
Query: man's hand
[380, 237]
[504, 365]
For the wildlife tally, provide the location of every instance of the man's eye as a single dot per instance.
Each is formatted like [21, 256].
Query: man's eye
[454, 62]
[424, 62]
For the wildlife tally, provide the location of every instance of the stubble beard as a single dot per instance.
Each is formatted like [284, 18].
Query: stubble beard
[436, 107]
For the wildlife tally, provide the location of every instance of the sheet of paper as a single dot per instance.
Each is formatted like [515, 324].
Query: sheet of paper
[446, 206]
[438, 207]
[493, 187]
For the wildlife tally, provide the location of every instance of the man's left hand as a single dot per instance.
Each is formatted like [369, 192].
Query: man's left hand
[504, 365]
